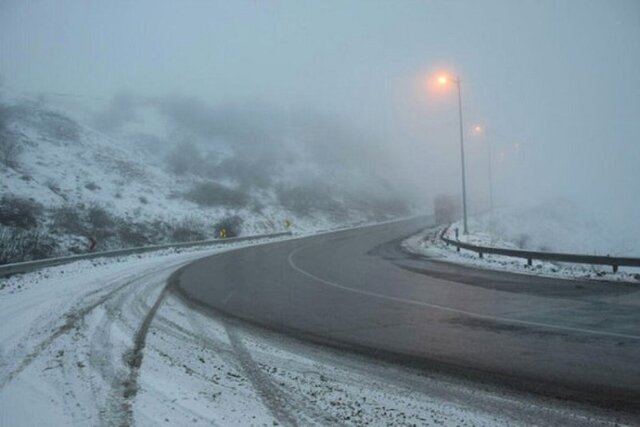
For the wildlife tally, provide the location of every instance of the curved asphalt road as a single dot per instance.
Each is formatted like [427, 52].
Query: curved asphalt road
[358, 289]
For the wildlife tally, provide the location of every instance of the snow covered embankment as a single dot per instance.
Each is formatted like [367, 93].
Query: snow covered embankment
[429, 244]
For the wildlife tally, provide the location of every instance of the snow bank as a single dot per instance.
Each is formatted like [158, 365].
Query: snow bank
[554, 227]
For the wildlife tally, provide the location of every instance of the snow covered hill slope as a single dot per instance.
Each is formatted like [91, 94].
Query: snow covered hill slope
[63, 183]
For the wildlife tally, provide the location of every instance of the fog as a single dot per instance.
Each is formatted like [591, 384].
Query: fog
[344, 86]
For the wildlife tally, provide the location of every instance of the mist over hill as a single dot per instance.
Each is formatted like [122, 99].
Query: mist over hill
[146, 171]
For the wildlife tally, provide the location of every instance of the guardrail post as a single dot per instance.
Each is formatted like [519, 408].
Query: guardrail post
[529, 262]
[458, 248]
[615, 268]
[480, 254]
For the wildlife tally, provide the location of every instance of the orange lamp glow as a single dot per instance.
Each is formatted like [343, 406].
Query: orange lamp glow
[477, 129]
[443, 80]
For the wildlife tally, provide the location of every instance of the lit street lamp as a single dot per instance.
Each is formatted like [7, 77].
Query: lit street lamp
[480, 130]
[442, 81]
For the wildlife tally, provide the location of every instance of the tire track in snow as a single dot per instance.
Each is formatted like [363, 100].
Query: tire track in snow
[113, 298]
[72, 318]
[134, 358]
[284, 406]
[270, 394]
[276, 402]
[125, 312]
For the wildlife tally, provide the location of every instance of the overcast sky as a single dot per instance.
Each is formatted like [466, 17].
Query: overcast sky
[560, 78]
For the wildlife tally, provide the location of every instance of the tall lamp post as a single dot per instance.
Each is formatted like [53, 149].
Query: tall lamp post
[480, 130]
[444, 80]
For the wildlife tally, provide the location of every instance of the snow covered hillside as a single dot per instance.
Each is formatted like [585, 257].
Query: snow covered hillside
[63, 182]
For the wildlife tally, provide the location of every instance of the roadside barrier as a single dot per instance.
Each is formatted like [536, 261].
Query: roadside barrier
[614, 262]
[27, 266]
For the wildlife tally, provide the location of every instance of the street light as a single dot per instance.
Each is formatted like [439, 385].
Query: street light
[444, 80]
[480, 130]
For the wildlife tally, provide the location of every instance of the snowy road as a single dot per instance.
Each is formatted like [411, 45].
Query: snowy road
[103, 343]
[357, 289]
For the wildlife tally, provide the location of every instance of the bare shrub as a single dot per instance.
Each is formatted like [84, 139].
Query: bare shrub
[160, 231]
[133, 234]
[188, 230]
[125, 168]
[129, 169]
[10, 147]
[100, 221]
[19, 212]
[212, 194]
[17, 245]
[68, 219]
[96, 221]
[305, 200]
[54, 187]
[92, 186]
[99, 217]
[59, 127]
[10, 150]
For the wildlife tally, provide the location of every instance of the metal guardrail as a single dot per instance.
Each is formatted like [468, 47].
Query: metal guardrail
[614, 262]
[27, 266]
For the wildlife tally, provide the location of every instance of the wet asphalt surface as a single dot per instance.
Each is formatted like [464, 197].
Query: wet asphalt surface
[357, 289]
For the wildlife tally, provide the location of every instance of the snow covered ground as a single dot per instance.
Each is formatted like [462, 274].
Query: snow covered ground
[546, 228]
[98, 343]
